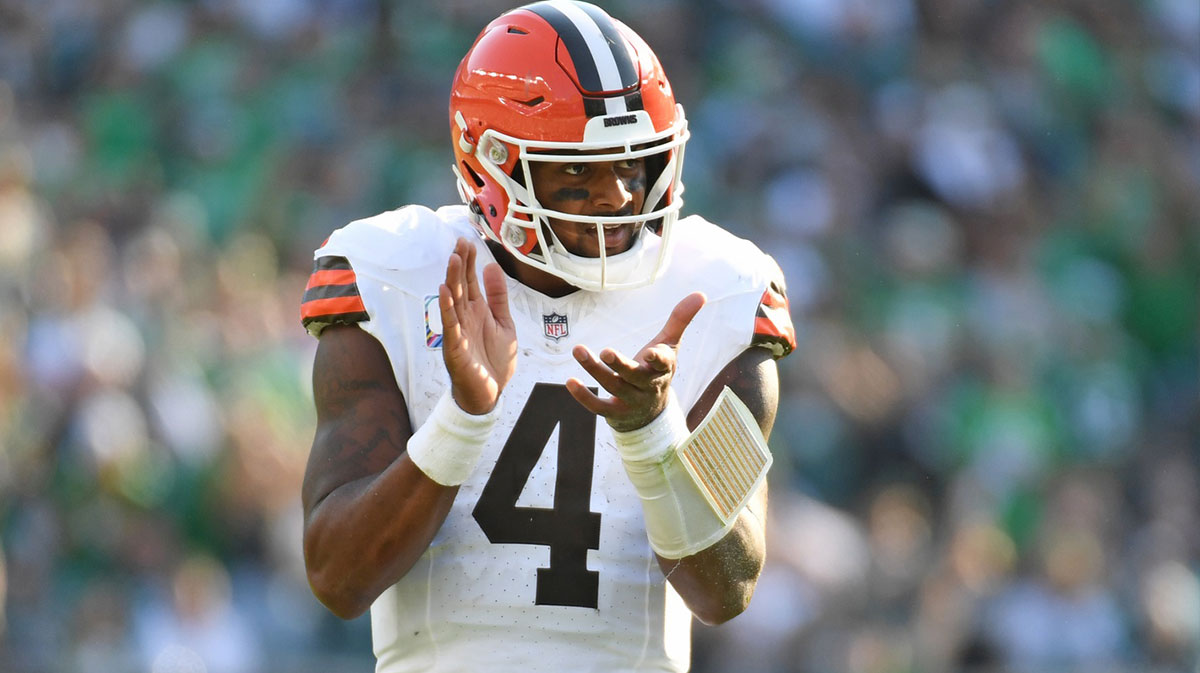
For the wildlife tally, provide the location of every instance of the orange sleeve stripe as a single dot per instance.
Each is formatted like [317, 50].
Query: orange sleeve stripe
[773, 299]
[767, 327]
[331, 277]
[331, 306]
[773, 324]
[767, 331]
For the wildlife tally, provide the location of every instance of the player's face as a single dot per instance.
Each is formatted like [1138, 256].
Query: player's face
[592, 188]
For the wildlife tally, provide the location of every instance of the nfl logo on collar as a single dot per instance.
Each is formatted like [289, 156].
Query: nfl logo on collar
[555, 326]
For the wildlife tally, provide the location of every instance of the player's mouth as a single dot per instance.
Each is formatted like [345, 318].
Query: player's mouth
[617, 236]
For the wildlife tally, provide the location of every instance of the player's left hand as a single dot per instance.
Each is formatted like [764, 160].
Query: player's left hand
[639, 386]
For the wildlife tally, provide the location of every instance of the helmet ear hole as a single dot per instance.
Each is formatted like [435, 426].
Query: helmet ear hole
[474, 176]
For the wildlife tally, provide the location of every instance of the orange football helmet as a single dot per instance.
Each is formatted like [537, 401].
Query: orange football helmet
[542, 83]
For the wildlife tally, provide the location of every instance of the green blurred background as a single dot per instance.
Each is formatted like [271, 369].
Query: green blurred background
[988, 212]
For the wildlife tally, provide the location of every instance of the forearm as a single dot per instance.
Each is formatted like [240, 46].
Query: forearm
[703, 498]
[367, 534]
[718, 582]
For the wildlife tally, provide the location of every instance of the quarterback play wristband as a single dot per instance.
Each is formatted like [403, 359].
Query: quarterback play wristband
[694, 486]
[447, 447]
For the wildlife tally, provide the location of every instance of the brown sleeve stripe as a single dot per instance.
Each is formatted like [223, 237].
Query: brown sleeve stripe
[331, 295]
[329, 292]
[331, 262]
[331, 277]
[334, 309]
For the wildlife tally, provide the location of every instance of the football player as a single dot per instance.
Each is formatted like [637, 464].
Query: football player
[541, 415]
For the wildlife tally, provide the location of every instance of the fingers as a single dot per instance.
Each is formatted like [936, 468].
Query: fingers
[453, 294]
[588, 399]
[660, 358]
[608, 378]
[455, 277]
[451, 330]
[681, 316]
[623, 366]
[496, 287]
[468, 253]
[460, 272]
[584, 396]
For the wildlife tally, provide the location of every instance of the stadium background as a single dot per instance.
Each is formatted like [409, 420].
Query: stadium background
[987, 210]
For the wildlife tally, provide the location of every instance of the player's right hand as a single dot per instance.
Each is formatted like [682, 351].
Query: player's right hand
[479, 339]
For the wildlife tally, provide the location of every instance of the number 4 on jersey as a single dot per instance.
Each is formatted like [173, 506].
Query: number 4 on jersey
[570, 529]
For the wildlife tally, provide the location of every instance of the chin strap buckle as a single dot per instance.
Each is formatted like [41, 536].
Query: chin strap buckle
[465, 142]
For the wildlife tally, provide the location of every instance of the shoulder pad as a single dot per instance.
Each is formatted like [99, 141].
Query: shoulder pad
[731, 267]
[401, 245]
[412, 237]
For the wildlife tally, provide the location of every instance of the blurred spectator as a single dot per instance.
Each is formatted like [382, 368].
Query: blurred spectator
[197, 627]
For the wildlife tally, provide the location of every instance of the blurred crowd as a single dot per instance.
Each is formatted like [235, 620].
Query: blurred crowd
[988, 212]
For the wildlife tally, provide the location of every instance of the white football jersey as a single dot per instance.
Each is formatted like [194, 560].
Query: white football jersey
[543, 564]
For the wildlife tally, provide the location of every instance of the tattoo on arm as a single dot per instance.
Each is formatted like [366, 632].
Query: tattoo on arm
[357, 455]
[362, 420]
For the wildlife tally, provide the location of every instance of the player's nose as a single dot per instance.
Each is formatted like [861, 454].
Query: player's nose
[610, 191]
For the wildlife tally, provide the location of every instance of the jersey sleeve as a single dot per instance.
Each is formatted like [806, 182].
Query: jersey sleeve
[773, 327]
[331, 297]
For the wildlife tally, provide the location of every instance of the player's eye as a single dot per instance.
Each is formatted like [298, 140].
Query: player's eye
[628, 164]
[574, 169]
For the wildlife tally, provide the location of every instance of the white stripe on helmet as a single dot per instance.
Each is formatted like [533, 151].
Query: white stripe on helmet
[601, 51]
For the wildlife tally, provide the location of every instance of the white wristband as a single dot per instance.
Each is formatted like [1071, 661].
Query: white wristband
[658, 438]
[693, 486]
[448, 445]
[679, 522]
